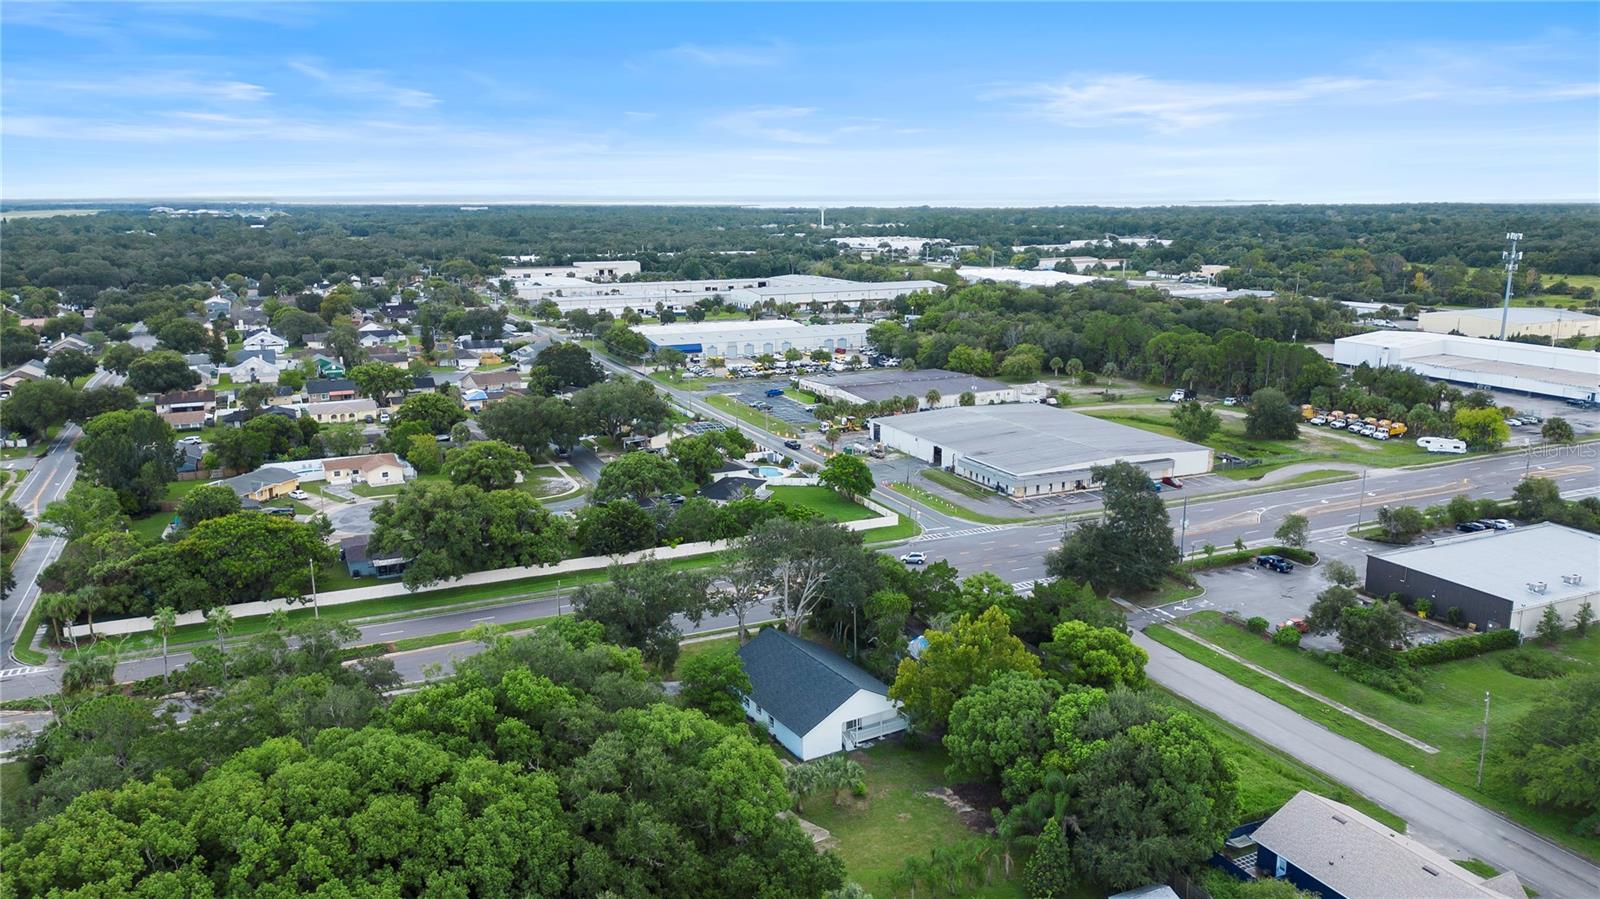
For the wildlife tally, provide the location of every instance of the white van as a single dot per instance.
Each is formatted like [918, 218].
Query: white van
[1442, 445]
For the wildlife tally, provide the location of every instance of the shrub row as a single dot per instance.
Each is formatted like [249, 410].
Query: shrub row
[1461, 647]
[1399, 681]
[1235, 557]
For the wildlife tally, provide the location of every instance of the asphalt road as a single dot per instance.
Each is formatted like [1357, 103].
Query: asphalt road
[48, 480]
[1434, 814]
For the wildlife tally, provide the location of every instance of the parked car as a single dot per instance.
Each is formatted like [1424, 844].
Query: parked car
[1275, 563]
[914, 558]
[774, 391]
[792, 444]
[1470, 527]
[1230, 401]
[1338, 424]
[1500, 524]
[1514, 422]
[1298, 624]
[299, 494]
[1318, 420]
[190, 439]
[279, 510]
[675, 499]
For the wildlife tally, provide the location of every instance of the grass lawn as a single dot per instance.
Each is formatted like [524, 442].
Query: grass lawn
[800, 396]
[1171, 590]
[957, 483]
[823, 501]
[904, 529]
[1317, 476]
[149, 528]
[898, 820]
[940, 504]
[19, 539]
[751, 416]
[682, 381]
[720, 646]
[1448, 717]
[1314, 444]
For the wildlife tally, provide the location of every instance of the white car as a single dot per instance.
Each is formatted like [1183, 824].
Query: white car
[299, 494]
[1319, 420]
[189, 440]
[914, 558]
[1501, 524]
[1339, 424]
[1381, 435]
[1514, 422]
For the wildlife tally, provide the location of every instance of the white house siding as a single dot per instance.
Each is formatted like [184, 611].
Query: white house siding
[828, 736]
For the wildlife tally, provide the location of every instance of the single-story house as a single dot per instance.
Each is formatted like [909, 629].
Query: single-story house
[472, 399]
[186, 401]
[341, 411]
[328, 390]
[813, 700]
[263, 339]
[328, 366]
[470, 345]
[32, 370]
[397, 358]
[217, 306]
[1329, 848]
[253, 369]
[447, 357]
[375, 469]
[353, 550]
[380, 337]
[728, 489]
[185, 421]
[70, 342]
[492, 381]
[144, 343]
[190, 455]
[263, 484]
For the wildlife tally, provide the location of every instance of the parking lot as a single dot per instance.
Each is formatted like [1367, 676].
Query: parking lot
[783, 407]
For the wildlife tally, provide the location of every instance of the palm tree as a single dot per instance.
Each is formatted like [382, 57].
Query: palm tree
[1056, 364]
[59, 607]
[164, 621]
[933, 397]
[88, 670]
[910, 403]
[278, 619]
[1074, 367]
[832, 436]
[89, 599]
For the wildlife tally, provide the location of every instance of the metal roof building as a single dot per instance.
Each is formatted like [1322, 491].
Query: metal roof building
[1026, 449]
[1498, 579]
[1478, 363]
[1557, 324]
[875, 385]
[744, 339]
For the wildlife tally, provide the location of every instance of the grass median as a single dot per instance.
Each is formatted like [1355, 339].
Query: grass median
[942, 505]
[748, 415]
[1448, 717]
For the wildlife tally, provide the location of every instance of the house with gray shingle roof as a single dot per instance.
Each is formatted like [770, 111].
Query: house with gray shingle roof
[813, 700]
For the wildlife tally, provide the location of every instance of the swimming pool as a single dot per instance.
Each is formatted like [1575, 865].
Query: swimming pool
[768, 471]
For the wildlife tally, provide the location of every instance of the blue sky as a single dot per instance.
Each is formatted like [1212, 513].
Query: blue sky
[812, 103]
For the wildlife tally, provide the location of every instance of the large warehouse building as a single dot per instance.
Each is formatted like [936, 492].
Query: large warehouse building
[745, 339]
[1556, 324]
[878, 384]
[596, 294]
[1025, 450]
[1498, 579]
[803, 290]
[1477, 363]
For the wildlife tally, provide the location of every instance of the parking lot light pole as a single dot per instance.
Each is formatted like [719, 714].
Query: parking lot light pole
[1361, 506]
[1483, 747]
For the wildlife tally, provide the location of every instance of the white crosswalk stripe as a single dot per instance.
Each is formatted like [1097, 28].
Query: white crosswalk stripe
[17, 672]
[968, 532]
[1025, 587]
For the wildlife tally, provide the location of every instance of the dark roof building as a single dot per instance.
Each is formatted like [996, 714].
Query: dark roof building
[814, 701]
[728, 489]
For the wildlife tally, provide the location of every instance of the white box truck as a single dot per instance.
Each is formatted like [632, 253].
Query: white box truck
[1442, 445]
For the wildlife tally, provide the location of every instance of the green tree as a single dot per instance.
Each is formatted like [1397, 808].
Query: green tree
[1094, 656]
[809, 566]
[341, 440]
[1020, 367]
[696, 456]
[119, 356]
[1556, 430]
[623, 341]
[1131, 549]
[132, 453]
[1550, 627]
[161, 371]
[1294, 531]
[1583, 618]
[1271, 416]
[207, 502]
[70, 365]
[971, 360]
[1194, 422]
[617, 406]
[487, 465]
[377, 380]
[638, 476]
[1536, 499]
[1374, 632]
[714, 683]
[530, 423]
[35, 407]
[1552, 742]
[1000, 732]
[434, 411]
[445, 531]
[424, 454]
[1483, 429]
[1049, 871]
[670, 358]
[619, 526]
[637, 606]
[569, 365]
[1328, 608]
[846, 474]
[973, 652]
[1337, 571]
[1401, 524]
[85, 509]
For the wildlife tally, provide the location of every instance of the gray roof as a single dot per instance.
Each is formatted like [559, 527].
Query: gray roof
[251, 481]
[1504, 563]
[1028, 438]
[798, 682]
[1360, 858]
[884, 383]
[730, 488]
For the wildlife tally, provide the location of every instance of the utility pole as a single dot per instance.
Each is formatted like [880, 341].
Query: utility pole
[316, 608]
[1183, 525]
[1483, 747]
[1511, 257]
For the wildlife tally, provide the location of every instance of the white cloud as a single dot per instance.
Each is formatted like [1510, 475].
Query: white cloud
[364, 84]
[783, 124]
[726, 57]
[1099, 100]
[159, 85]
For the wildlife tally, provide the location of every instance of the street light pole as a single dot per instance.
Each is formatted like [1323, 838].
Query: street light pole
[1183, 525]
[1361, 508]
[1483, 747]
[316, 608]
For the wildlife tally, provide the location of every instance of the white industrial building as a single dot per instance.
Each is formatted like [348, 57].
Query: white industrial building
[1556, 324]
[597, 270]
[878, 384]
[802, 290]
[1027, 449]
[1474, 362]
[745, 339]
